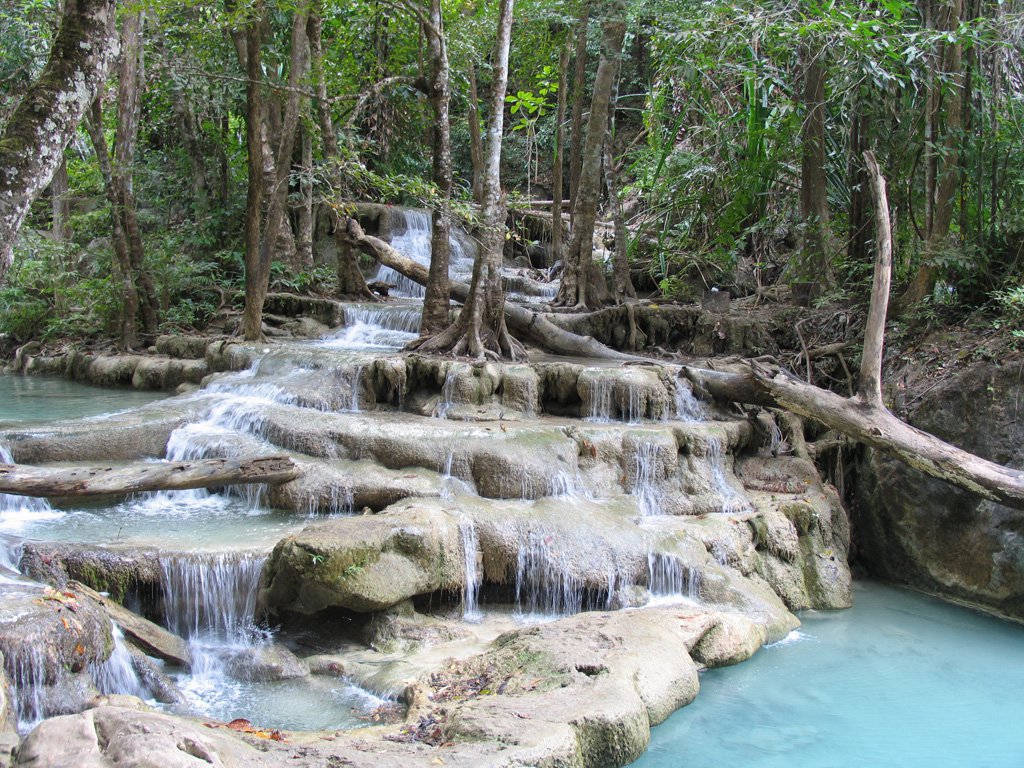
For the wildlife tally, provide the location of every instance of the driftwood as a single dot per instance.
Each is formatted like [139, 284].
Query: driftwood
[523, 322]
[22, 480]
[864, 416]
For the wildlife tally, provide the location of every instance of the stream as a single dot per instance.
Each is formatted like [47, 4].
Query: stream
[663, 512]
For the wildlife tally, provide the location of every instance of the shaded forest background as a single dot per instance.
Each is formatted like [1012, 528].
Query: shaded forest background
[729, 156]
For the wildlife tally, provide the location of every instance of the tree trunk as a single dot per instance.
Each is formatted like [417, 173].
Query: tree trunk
[476, 142]
[943, 175]
[350, 280]
[557, 183]
[576, 278]
[277, 168]
[23, 480]
[125, 140]
[436, 302]
[59, 203]
[812, 264]
[480, 331]
[579, 86]
[304, 241]
[622, 283]
[122, 265]
[255, 287]
[32, 144]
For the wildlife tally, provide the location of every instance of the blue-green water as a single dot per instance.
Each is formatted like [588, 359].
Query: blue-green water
[38, 398]
[900, 680]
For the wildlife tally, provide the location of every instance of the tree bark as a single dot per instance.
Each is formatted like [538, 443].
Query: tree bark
[59, 204]
[558, 164]
[813, 262]
[122, 265]
[436, 301]
[255, 288]
[579, 86]
[622, 283]
[22, 480]
[304, 240]
[32, 145]
[576, 278]
[350, 280]
[476, 142]
[874, 329]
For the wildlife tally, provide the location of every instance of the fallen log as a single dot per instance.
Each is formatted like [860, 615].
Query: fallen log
[522, 321]
[23, 480]
[864, 417]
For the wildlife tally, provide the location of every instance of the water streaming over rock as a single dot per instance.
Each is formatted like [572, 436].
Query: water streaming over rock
[472, 577]
[688, 407]
[211, 595]
[13, 506]
[27, 673]
[668, 577]
[446, 401]
[411, 238]
[600, 405]
[117, 674]
[648, 493]
[341, 501]
[546, 586]
[732, 501]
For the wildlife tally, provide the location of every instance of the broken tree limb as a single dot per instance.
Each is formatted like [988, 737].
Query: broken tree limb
[864, 417]
[522, 321]
[22, 480]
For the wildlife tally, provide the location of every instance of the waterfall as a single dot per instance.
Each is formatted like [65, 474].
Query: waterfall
[668, 577]
[451, 484]
[471, 573]
[27, 672]
[649, 496]
[117, 674]
[211, 595]
[447, 393]
[387, 318]
[688, 407]
[340, 502]
[544, 584]
[412, 242]
[599, 407]
[732, 502]
[12, 506]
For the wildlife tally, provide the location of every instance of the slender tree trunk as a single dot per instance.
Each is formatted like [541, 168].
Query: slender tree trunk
[257, 272]
[480, 331]
[304, 241]
[191, 142]
[576, 277]
[476, 142]
[622, 284]
[813, 261]
[255, 286]
[578, 94]
[557, 183]
[122, 266]
[130, 75]
[946, 162]
[436, 301]
[59, 203]
[350, 280]
[32, 144]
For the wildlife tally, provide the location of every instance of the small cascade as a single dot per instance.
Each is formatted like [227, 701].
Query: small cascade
[601, 408]
[341, 502]
[211, 595]
[732, 502]
[413, 241]
[546, 585]
[668, 577]
[471, 572]
[117, 674]
[447, 393]
[404, 319]
[688, 407]
[27, 673]
[451, 484]
[649, 496]
[349, 382]
[13, 507]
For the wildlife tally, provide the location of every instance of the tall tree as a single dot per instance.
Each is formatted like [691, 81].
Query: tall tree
[32, 145]
[436, 301]
[480, 331]
[576, 289]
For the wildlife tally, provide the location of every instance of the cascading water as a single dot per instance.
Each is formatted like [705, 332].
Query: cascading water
[600, 407]
[546, 586]
[668, 577]
[732, 501]
[649, 496]
[451, 483]
[27, 673]
[413, 241]
[688, 407]
[472, 577]
[447, 393]
[211, 595]
[117, 674]
[13, 508]
[340, 502]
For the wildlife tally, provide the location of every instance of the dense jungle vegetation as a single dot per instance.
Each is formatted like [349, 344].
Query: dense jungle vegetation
[722, 142]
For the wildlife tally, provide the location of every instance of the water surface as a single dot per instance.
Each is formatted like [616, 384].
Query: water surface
[901, 679]
[46, 398]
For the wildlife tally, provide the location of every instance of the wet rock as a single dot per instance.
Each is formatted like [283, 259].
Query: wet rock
[362, 564]
[152, 675]
[182, 347]
[920, 531]
[399, 631]
[265, 663]
[118, 572]
[162, 373]
[730, 639]
[8, 719]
